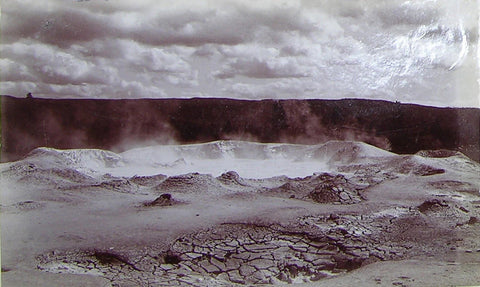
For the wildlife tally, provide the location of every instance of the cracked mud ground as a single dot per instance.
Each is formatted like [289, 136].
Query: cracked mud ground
[309, 250]
[200, 230]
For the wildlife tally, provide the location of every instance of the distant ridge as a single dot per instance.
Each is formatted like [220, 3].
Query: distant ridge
[119, 125]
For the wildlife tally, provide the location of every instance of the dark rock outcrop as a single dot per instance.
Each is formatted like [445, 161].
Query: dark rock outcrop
[165, 199]
[432, 205]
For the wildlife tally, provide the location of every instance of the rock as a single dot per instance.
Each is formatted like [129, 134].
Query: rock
[324, 264]
[284, 277]
[309, 257]
[233, 263]
[344, 196]
[218, 264]
[109, 258]
[209, 267]
[258, 247]
[297, 267]
[148, 180]
[260, 277]
[190, 183]
[246, 270]
[231, 177]
[232, 243]
[166, 267]
[333, 216]
[324, 193]
[318, 276]
[300, 247]
[426, 170]
[431, 205]
[463, 209]
[439, 153]
[242, 256]
[171, 258]
[193, 255]
[346, 262]
[119, 184]
[359, 253]
[472, 220]
[261, 263]
[276, 281]
[235, 277]
[163, 200]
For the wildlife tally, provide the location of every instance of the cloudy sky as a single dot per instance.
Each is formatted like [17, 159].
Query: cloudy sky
[421, 51]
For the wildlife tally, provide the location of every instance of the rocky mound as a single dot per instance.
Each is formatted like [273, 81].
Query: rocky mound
[165, 199]
[231, 178]
[455, 186]
[148, 181]
[191, 183]
[30, 172]
[321, 188]
[440, 153]
[62, 168]
[346, 152]
[388, 168]
[410, 165]
[432, 205]
[88, 159]
[118, 184]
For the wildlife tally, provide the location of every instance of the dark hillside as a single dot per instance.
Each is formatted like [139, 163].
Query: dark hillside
[120, 124]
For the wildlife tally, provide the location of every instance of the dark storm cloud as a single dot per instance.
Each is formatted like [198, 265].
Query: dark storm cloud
[69, 24]
[61, 27]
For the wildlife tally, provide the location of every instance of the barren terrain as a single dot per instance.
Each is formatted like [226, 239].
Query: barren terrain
[229, 212]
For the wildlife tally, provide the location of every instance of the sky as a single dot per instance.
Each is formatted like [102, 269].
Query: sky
[422, 51]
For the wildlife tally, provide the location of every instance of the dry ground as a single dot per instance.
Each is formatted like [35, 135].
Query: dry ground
[392, 221]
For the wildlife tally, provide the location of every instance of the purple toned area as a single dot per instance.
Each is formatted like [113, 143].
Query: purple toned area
[123, 124]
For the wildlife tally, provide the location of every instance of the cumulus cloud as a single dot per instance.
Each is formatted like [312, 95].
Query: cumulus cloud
[51, 65]
[408, 14]
[394, 50]
[15, 72]
[253, 67]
